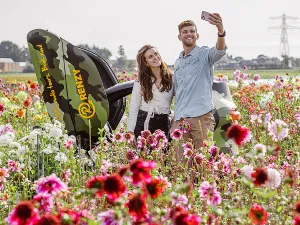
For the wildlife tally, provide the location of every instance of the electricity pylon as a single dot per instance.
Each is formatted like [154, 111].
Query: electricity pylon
[284, 27]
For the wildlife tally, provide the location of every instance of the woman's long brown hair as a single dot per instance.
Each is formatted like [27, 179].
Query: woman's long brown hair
[145, 75]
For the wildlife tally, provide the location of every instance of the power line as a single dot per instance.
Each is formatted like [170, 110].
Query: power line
[284, 27]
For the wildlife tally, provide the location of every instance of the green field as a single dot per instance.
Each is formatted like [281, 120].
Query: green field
[264, 74]
[18, 77]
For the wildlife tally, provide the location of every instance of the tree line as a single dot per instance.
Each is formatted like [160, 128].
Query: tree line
[8, 49]
[11, 50]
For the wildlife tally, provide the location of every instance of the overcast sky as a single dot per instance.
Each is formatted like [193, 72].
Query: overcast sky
[134, 23]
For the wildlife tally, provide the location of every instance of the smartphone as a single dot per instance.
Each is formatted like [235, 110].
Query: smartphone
[204, 15]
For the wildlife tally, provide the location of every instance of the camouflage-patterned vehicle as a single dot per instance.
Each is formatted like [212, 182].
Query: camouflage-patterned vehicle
[81, 90]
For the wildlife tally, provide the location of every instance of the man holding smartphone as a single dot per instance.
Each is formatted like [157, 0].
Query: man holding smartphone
[193, 80]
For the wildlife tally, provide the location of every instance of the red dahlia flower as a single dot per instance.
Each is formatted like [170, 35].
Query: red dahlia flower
[296, 220]
[141, 171]
[238, 133]
[258, 215]
[114, 186]
[48, 220]
[97, 182]
[137, 207]
[23, 214]
[153, 188]
[259, 176]
[184, 218]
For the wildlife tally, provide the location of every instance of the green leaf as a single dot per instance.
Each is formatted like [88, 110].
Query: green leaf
[246, 181]
[265, 194]
[218, 211]
[238, 213]
[91, 222]
[279, 209]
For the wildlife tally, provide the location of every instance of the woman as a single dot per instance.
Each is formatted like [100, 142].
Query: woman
[151, 95]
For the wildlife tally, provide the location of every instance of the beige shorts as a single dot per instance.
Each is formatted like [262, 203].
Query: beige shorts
[196, 134]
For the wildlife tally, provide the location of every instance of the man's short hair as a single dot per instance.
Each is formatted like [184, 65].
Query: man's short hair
[186, 23]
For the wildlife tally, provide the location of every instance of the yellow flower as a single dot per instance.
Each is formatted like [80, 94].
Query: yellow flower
[37, 118]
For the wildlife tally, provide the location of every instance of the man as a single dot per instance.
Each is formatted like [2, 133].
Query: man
[193, 77]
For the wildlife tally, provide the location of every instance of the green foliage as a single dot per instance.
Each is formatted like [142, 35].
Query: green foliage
[28, 68]
[102, 52]
[122, 61]
[11, 50]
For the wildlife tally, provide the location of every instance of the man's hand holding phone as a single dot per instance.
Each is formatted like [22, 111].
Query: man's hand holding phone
[215, 19]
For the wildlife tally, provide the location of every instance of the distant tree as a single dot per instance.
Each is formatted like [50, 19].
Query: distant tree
[297, 62]
[25, 55]
[131, 65]
[285, 61]
[122, 61]
[121, 52]
[275, 59]
[262, 56]
[28, 68]
[239, 58]
[102, 52]
[85, 46]
[11, 50]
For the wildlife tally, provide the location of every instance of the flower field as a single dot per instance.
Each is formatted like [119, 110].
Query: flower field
[46, 179]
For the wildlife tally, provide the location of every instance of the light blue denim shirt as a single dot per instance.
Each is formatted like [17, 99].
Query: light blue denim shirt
[193, 81]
